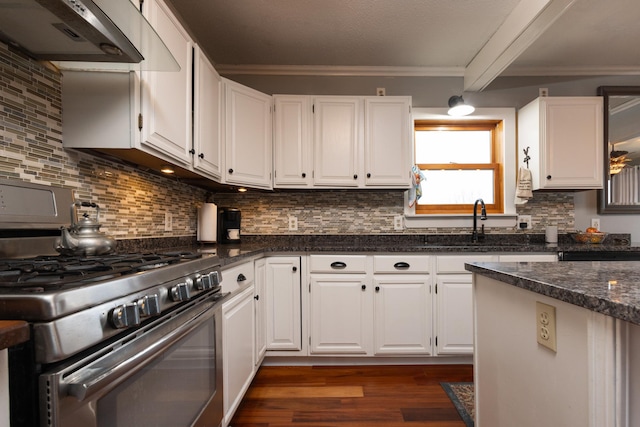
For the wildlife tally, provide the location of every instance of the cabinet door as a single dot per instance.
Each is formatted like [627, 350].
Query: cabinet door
[402, 314]
[387, 141]
[238, 349]
[166, 96]
[341, 313]
[292, 141]
[248, 136]
[574, 143]
[336, 139]
[283, 303]
[454, 325]
[260, 296]
[206, 125]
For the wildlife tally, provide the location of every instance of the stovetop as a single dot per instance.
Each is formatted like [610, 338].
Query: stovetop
[48, 273]
[44, 288]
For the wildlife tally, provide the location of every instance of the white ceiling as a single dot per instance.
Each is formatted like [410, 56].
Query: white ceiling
[477, 39]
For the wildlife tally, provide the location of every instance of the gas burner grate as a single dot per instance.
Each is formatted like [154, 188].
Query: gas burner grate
[55, 271]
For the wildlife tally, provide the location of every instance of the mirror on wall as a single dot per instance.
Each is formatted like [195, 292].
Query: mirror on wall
[621, 191]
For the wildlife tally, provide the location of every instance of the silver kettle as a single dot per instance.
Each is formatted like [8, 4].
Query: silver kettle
[83, 237]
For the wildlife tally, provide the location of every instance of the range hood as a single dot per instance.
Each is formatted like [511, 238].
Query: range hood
[111, 34]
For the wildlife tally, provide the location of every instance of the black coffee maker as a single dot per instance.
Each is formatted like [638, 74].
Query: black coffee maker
[228, 225]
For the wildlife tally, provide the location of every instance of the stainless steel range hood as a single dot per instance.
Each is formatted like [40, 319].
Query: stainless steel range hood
[112, 34]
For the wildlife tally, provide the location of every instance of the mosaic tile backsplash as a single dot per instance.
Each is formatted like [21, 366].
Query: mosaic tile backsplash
[133, 202]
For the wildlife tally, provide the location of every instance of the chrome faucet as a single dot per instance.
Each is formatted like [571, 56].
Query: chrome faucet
[483, 216]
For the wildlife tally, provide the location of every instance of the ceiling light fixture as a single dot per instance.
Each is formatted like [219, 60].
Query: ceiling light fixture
[167, 169]
[457, 107]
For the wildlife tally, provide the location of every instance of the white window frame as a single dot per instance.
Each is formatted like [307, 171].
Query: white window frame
[504, 220]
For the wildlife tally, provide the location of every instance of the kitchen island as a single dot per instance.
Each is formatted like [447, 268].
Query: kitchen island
[590, 377]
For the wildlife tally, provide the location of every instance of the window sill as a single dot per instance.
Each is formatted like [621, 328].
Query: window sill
[459, 221]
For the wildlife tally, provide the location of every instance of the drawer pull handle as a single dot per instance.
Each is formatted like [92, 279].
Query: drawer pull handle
[401, 265]
[338, 265]
[241, 277]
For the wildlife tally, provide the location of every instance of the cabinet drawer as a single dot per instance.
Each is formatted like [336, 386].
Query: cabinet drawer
[455, 264]
[236, 277]
[338, 263]
[401, 264]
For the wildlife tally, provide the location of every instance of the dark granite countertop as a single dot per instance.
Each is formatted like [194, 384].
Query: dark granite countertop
[256, 245]
[611, 287]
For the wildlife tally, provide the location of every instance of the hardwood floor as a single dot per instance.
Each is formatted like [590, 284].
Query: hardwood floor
[351, 396]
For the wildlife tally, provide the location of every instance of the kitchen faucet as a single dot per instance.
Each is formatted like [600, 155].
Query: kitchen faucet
[483, 216]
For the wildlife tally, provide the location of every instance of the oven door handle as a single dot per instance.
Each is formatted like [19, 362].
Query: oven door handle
[121, 364]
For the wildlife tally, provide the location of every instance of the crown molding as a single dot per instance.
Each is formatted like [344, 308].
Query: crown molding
[339, 70]
[595, 70]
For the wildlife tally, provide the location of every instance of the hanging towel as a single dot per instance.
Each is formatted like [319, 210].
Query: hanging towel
[415, 192]
[524, 186]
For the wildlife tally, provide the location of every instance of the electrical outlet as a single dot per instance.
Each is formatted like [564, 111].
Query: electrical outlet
[523, 222]
[543, 91]
[168, 221]
[293, 223]
[595, 222]
[546, 325]
[398, 223]
[380, 91]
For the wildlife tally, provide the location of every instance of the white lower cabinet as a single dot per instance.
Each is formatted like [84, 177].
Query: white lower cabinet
[402, 305]
[282, 302]
[341, 305]
[454, 304]
[260, 296]
[238, 336]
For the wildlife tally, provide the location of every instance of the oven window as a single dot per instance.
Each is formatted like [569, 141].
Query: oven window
[171, 391]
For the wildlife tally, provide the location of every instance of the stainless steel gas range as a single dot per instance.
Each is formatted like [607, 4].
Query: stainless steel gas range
[118, 339]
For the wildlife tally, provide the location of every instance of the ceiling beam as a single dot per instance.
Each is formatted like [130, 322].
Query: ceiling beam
[528, 20]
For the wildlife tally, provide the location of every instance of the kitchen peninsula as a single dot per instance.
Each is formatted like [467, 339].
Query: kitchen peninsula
[592, 376]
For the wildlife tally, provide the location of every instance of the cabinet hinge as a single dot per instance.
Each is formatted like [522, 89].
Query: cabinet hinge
[313, 108]
[309, 339]
[140, 121]
[309, 287]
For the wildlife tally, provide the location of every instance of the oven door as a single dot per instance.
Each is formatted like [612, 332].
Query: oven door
[168, 373]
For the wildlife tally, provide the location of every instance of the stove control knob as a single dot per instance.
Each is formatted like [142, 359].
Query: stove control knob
[180, 292]
[216, 278]
[203, 282]
[149, 305]
[125, 315]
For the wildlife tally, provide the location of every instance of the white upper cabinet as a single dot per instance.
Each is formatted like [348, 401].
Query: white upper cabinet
[564, 137]
[166, 96]
[248, 139]
[342, 142]
[387, 141]
[292, 141]
[207, 147]
[337, 141]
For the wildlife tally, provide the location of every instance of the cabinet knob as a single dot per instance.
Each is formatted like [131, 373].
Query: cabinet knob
[364, 287]
[548, 176]
[201, 155]
[368, 175]
[295, 269]
[304, 175]
[192, 151]
[355, 176]
[230, 170]
[377, 288]
[257, 298]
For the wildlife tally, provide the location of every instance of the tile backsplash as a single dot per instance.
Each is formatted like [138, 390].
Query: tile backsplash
[133, 202]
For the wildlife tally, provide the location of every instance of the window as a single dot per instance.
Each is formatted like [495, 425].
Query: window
[461, 162]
